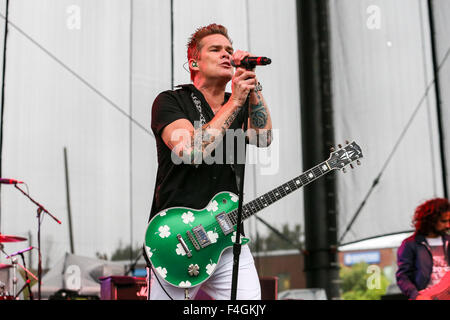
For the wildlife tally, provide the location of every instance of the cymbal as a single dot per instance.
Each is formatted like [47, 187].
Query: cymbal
[5, 238]
[5, 266]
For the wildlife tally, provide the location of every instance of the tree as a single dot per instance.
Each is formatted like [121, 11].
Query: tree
[121, 253]
[101, 256]
[290, 239]
[363, 282]
[125, 253]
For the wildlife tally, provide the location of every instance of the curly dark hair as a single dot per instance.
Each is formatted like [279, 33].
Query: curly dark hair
[428, 213]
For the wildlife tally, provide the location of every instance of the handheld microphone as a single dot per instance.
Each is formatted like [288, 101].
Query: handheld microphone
[251, 62]
[10, 181]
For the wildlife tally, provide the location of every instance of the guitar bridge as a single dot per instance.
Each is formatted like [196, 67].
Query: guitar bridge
[191, 237]
[201, 236]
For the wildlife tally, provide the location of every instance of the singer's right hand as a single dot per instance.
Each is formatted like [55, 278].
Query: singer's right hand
[242, 83]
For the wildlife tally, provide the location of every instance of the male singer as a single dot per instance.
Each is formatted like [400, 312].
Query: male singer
[192, 170]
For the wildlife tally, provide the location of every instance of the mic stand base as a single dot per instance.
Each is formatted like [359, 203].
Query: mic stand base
[27, 280]
[27, 284]
[236, 254]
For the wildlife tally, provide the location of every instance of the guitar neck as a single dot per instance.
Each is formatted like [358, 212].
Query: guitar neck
[280, 192]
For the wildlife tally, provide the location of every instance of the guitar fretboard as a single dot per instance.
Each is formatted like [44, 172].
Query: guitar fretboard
[280, 192]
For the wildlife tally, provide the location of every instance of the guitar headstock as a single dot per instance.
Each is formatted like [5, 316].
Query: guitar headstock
[344, 156]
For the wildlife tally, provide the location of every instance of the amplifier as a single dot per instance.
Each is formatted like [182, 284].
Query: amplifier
[135, 288]
[123, 288]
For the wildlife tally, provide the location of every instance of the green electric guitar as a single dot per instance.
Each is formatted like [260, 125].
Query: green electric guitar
[184, 245]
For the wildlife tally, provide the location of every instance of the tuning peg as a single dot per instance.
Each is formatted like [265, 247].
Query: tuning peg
[351, 166]
[340, 145]
[344, 170]
[332, 149]
[347, 142]
[358, 162]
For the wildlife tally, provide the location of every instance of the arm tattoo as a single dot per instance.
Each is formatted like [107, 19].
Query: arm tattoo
[258, 118]
[258, 114]
[204, 140]
[230, 120]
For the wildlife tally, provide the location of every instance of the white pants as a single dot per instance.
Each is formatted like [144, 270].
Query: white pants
[218, 286]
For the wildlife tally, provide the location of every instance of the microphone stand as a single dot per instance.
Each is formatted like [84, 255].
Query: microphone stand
[237, 245]
[40, 209]
[27, 280]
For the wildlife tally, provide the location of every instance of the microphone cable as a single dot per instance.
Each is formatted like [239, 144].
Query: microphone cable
[149, 275]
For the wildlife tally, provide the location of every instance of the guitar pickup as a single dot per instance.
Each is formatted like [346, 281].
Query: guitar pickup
[201, 236]
[224, 222]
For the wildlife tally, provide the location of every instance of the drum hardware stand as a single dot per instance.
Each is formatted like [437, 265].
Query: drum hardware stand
[14, 281]
[27, 272]
[2, 289]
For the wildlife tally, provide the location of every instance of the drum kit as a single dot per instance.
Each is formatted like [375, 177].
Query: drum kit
[14, 295]
[5, 295]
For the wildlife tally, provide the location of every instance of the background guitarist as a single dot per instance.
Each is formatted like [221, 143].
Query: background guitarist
[190, 126]
[424, 258]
